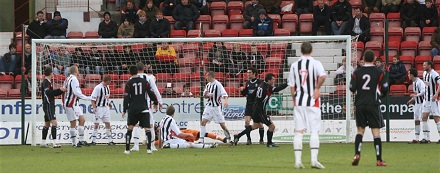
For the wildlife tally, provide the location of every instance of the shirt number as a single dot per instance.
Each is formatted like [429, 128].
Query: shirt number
[367, 79]
[304, 74]
[137, 88]
[259, 92]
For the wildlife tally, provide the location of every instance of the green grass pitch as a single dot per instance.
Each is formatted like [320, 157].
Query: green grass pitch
[400, 157]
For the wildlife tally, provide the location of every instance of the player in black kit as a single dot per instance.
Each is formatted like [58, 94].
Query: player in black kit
[248, 91]
[259, 116]
[134, 101]
[366, 81]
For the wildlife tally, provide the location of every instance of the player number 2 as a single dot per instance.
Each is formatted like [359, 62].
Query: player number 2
[137, 88]
[367, 79]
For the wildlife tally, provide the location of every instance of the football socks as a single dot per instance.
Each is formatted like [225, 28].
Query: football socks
[297, 146]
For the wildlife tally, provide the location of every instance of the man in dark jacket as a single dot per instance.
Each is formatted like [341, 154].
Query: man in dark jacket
[160, 27]
[428, 14]
[8, 62]
[321, 16]
[397, 71]
[108, 28]
[251, 13]
[130, 13]
[359, 25]
[371, 6]
[185, 14]
[340, 15]
[409, 13]
[37, 28]
[56, 28]
[263, 25]
[141, 27]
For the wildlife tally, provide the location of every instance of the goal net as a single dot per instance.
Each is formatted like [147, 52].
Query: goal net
[179, 65]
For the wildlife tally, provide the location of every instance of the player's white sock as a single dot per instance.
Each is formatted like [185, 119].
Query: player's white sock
[73, 135]
[314, 146]
[425, 130]
[136, 137]
[109, 135]
[201, 145]
[202, 133]
[43, 142]
[153, 135]
[297, 146]
[438, 128]
[226, 132]
[95, 132]
[417, 131]
[81, 133]
[185, 145]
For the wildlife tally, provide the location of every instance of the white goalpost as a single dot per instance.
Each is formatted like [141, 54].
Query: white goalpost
[180, 73]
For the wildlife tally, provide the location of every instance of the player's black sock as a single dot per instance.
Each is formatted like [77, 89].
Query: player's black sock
[269, 136]
[248, 134]
[261, 130]
[148, 133]
[45, 131]
[53, 131]
[248, 129]
[128, 139]
[358, 144]
[378, 147]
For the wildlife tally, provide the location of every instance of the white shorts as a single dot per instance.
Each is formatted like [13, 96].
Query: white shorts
[417, 109]
[102, 113]
[213, 114]
[176, 141]
[78, 110]
[71, 115]
[431, 107]
[151, 118]
[307, 118]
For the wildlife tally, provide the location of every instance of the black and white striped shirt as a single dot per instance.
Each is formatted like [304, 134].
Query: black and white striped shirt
[168, 128]
[215, 88]
[73, 93]
[150, 79]
[304, 74]
[419, 89]
[430, 78]
[101, 95]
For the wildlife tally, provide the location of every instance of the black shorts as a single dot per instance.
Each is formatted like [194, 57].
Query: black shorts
[249, 109]
[49, 113]
[142, 118]
[261, 117]
[369, 115]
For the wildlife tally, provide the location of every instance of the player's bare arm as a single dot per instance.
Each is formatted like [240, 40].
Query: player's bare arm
[317, 92]
[225, 98]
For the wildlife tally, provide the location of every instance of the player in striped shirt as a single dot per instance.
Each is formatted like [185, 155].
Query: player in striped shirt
[101, 109]
[172, 137]
[73, 111]
[431, 102]
[151, 80]
[213, 93]
[305, 80]
[417, 100]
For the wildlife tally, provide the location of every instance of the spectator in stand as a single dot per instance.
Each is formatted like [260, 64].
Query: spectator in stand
[56, 28]
[321, 16]
[371, 6]
[27, 84]
[390, 6]
[186, 91]
[256, 59]
[379, 64]
[435, 42]
[8, 63]
[169, 5]
[185, 14]
[167, 57]
[359, 25]
[238, 61]
[130, 13]
[126, 30]
[341, 13]
[141, 28]
[97, 62]
[341, 73]
[397, 71]
[201, 6]
[428, 14]
[37, 28]
[62, 63]
[27, 60]
[271, 6]
[78, 59]
[150, 10]
[409, 13]
[160, 27]
[218, 58]
[127, 59]
[169, 91]
[251, 13]
[108, 28]
[263, 25]
[303, 7]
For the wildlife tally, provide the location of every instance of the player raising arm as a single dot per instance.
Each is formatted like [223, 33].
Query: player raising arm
[101, 109]
[366, 81]
[417, 99]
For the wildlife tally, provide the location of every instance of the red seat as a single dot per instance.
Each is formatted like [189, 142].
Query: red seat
[117, 93]
[87, 91]
[195, 77]
[236, 22]
[436, 61]
[114, 79]
[206, 20]
[412, 34]
[92, 80]
[425, 48]
[233, 82]
[393, 48]
[138, 47]
[91, 34]
[195, 90]
[230, 33]
[172, 21]
[193, 33]
[163, 76]
[394, 20]
[178, 34]
[6, 81]
[123, 78]
[408, 48]
[220, 22]
[235, 6]
[356, 3]
[3, 94]
[359, 49]
[219, 76]
[290, 22]
[305, 23]
[183, 77]
[276, 18]
[75, 34]
[377, 34]
[427, 33]
[398, 89]
[232, 91]
[420, 60]
[19, 49]
[17, 81]
[408, 61]
[246, 33]
[218, 8]
[14, 93]
[377, 20]
[395, 34]
[375, 46]
[212, 33]
[281, 32]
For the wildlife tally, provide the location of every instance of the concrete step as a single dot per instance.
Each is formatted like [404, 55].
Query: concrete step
[329, 82]
[330, 66]
[330, 89]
